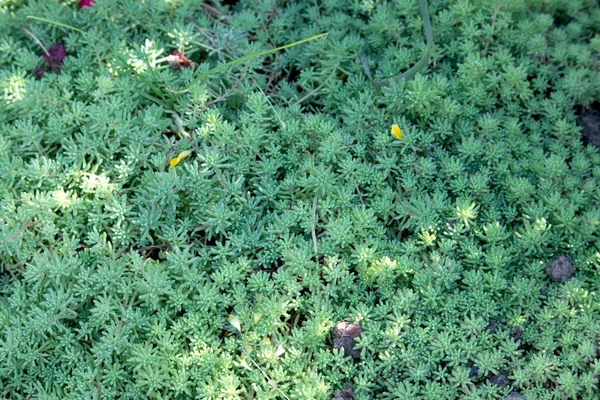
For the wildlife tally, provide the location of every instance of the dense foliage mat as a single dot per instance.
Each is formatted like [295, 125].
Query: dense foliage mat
[257, 232]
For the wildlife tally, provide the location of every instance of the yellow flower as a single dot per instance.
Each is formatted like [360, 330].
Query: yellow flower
[396, 132]
[181, 156]
[174, 162]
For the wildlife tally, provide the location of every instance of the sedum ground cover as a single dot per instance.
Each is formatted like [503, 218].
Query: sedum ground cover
[129, 272]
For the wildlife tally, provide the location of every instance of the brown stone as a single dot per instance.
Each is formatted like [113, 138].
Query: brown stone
[344, 335]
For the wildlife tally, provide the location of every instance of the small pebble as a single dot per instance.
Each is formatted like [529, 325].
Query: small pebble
[344, 335]
[560, 269]
[346, 394]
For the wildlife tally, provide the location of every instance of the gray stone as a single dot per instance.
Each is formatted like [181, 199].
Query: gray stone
[560, 269]
[515, 396]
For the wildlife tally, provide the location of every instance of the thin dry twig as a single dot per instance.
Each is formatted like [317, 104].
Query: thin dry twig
[23, 229]
[312, 92]
[27, 31]
[225, 95]
[156, 246]
[487, 42]
[314, 224]
[176, 91]
[271, 79]
[269, 380]
[272, 14]
[211, 11]
[98, 390]
[268, 101]
[230, 91]
[360, 196]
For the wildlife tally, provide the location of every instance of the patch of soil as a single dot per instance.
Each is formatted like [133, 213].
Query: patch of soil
[344, 335]
[589, 122]
[500, 380]
[346, 394]
[516, 334]
[492, 326]
[296, 319]
[474, 371]
[230, 3]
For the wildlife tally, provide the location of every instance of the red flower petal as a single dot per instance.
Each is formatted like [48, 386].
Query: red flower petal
[84, 3]
[54, 59]
[177, 60]
[57, 52]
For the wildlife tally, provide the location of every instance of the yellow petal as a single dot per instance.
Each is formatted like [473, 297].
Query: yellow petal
[174, 161]
[184, 154]
[181, 156]
[396, 132]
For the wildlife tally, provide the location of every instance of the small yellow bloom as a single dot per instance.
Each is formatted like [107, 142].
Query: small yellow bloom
[396, 132]
[174, 161]
[180, 157]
